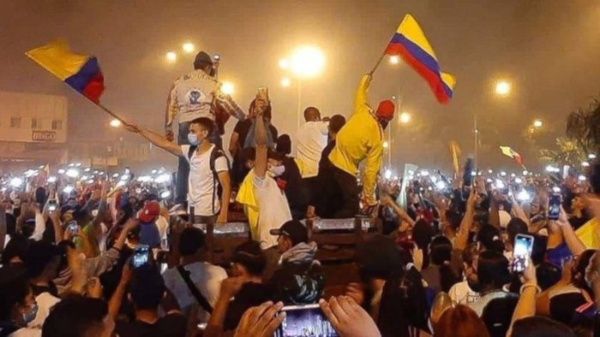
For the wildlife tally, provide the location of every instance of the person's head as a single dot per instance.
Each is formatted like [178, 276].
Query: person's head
[379, 258]
[191, 242]
[489, 237]
[538, 326]
[578, 271]
[335, 125]
[200, 130]
[470, 257]
[147, 288]
[204, 62]
[284, 144]
[312, 114]
[290, 234]
[248, 156]
[547, 275]
[460, 321]
[592, 272]
[79, 316]
[15, 250]
[257, 103]
[17, 303]
[248, 260]
[42, 260]
[440, 250]
[385, 112]
[149, 212]
[492, 270]
[578, 204]
[422, 234]
[515, 226]
[275, 167]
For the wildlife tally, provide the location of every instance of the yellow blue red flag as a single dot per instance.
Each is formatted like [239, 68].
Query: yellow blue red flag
[410, 43]
[81, 72]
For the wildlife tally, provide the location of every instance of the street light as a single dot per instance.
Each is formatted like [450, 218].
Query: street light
[171, 56]
[307, 61]
[394, 59]
[405, 118]
[115, 123]
[227, 88]
[188, 47]
[537, 123]
[503, 88]
[284, 64]
[286, 82]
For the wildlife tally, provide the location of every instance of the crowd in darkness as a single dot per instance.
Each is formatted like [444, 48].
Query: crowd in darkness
[105, 259]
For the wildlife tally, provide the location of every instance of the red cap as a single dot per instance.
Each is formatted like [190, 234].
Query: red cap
[385, 109]
[150, 212]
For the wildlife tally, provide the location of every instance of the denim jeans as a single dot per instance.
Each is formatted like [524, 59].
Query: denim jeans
[183, 167]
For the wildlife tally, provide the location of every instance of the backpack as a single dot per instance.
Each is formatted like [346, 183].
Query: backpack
[215, 153]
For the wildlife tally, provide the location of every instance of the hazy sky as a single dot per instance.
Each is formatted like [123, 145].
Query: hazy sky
[548, 49]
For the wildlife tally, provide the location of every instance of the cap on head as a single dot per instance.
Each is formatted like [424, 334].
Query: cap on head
[294, 230]
[150, 212]
[385, 110]
[202, 60]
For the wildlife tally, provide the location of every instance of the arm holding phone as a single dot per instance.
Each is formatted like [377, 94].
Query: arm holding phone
[462, 236]
[573, 242]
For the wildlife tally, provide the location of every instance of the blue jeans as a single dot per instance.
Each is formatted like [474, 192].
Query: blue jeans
[183, 167]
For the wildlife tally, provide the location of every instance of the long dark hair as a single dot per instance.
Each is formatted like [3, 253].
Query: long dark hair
[441, 256]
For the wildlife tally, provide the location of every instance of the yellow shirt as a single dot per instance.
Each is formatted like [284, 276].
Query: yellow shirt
[361, 138]
[247, 197]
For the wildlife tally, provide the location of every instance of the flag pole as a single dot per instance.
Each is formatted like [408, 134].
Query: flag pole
[377, 64]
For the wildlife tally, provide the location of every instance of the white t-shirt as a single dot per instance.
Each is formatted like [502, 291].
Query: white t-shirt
[206, 277]
[274, 209]
[461, 293]
[202, 188]
[312, 139]
[45, 302]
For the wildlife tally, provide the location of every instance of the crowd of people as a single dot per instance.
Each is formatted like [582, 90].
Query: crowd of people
[107, 258]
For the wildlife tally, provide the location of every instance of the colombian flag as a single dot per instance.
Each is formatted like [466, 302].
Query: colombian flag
[509, 152]
[410, 42]
[81, 72]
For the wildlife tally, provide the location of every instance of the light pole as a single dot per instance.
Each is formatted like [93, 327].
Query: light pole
[305, 62]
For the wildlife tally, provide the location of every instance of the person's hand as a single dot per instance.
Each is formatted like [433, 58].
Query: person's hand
[222, 218]
[260, 321]
[356, 291]
[529, 275]
[94, 288]
[474, 199]
[348, 318]
[260, 106]
[169, 135]
[231, 286]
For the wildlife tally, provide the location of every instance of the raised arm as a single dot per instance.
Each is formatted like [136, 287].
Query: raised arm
[171, 113]
[260, 163]
[573, 242]
[362, 98]
[462, 237]
[156, 139]
[526, 304]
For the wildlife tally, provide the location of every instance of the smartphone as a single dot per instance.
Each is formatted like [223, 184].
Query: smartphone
[554, 207]
[73, 227]
[263, 93]
[52, 205]
[305, 320]
[141, 256]
[521, 252]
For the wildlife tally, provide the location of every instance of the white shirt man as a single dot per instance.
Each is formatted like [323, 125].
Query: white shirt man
[312, 139]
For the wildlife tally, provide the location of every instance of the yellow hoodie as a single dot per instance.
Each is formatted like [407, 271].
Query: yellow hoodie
[360, 138]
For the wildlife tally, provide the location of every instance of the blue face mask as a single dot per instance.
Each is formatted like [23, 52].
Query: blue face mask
[193, 139]
[29, 316]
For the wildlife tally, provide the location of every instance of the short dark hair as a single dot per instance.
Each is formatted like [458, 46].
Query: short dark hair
[206, 123]
[311, 110]
[538, 326]
[16, 247]
[489, 237]
[191, 241]
[441, 250]
[516, 226]
[248, 154]
[284, 144]
[75, 316]
[147, 287]
[492, 269]
[251, 256]
[14, 288]
[38, 256]
[336, 123]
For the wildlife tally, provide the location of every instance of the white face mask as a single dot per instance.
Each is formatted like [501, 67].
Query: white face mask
[193, 139]
[276, 171]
